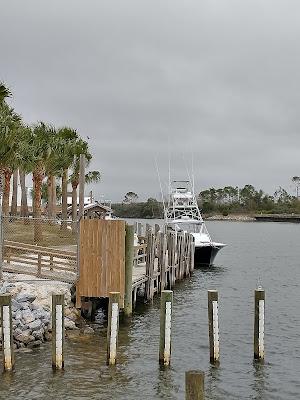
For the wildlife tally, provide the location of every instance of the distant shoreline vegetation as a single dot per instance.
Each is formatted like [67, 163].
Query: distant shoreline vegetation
[221, 201]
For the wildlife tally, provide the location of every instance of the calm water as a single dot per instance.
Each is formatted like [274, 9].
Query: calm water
[267, 253]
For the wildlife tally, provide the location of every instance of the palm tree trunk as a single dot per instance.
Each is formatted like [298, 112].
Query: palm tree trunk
[53, 197]
[6, 191]
[14, 200]
[50, 193]
[24, 205]
[64, 203]
[74, 206]
[37, 182]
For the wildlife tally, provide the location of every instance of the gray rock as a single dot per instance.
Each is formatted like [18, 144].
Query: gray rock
[48, 336]
[46, 315]
[25, 337]
[15, 305]
[88, 330]
[25, 297]
[70, 324]
[27, 316]
[17, 332]
[35, 325]
[38, 335]
[18, 315]
[37, 343]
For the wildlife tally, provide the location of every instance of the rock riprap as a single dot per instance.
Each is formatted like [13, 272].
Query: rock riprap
[31, 310]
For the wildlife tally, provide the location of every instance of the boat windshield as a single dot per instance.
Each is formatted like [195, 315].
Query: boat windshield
[191, 227]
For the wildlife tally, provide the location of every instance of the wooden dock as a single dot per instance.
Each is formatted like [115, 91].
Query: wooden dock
[278, 218]
[137, 262]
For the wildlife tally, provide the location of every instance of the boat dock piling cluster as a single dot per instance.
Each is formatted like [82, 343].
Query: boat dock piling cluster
[160, 260]
[194, 380]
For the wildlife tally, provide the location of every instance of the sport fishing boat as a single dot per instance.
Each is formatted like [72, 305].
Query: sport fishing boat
[183, 215]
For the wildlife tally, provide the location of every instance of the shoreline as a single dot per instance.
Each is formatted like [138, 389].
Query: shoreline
[232, 217]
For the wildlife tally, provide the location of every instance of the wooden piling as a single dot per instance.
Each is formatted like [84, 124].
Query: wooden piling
[213, 323]
[156, 229]
[139, 229]
[129, 242]
[150, 256]
[194, 385]
[58, 331]
[162, 259]
[166, 304]
[259, 324]
[113, 327]
[148, 229]
[7, 335]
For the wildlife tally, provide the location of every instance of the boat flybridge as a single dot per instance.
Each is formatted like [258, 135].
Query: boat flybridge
[183, 214]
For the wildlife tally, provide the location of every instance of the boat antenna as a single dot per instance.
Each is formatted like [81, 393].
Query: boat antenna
[169, 189]
[187, 170]
[161, 190]
[193, 175]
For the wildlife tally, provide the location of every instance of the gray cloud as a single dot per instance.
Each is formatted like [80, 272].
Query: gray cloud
[142, 78]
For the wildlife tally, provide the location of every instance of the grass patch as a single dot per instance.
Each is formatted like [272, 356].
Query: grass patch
[52, 234]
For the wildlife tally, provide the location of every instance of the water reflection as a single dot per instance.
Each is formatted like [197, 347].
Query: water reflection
[165, 386]
[260, 378]
[212, 380]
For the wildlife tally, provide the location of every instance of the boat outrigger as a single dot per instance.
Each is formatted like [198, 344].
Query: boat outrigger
[183, 214]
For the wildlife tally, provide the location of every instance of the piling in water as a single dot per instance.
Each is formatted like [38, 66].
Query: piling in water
[165, 327]
[129, 241]
[113, 327]
[194, 385]
[259, 324]
[7, 336]
[213, 324]
[58, 331]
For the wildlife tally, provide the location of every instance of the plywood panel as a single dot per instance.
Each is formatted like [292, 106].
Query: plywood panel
[101, 258]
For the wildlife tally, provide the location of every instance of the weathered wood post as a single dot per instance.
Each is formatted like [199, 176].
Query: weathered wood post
[166, 303]
[259, 324]
[7, 336]
[194, 385]
[156, 229]
[148, 229]
[162, 259]
[129, 241]
[58, 331]
[139, 229]
[192, 254]
[113, 327]
[150, 256]
[213, 323]
[81, 185]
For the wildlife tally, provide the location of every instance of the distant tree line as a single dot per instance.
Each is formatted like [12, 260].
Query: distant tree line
[247, 200]
[227, 200]
[149, 209]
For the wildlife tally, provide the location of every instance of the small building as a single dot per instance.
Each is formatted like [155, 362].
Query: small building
[94, 210]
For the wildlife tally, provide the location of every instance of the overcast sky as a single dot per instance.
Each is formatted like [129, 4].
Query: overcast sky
[145, 79]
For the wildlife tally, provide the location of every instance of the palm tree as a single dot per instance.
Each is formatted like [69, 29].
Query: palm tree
[39, 152]
[80, 147]
[67, 139]
[4, 92]
[10, 139]
[14, 200]
[92, 177]
[296, 182]
[24, 205]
